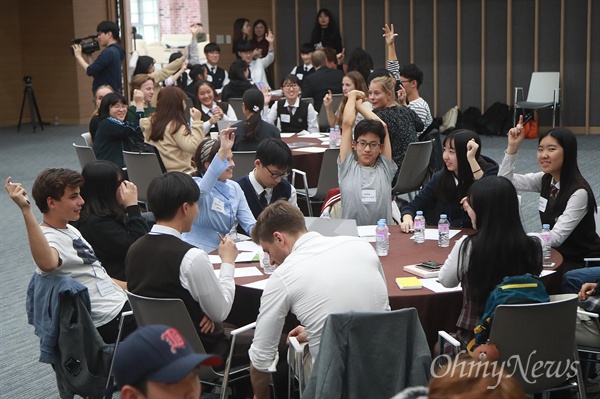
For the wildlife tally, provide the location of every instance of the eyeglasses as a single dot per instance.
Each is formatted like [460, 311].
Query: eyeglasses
[294, 86]
[406, 80]
[277, 175]
[118, 106]
[362, 144]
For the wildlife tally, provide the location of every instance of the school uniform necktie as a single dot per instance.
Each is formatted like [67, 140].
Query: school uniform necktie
[291, 108]
[262, 198]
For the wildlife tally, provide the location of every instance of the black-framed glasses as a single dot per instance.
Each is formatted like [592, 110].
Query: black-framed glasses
[373, 144]
[406, 80]
[294, 86]
[276, 175]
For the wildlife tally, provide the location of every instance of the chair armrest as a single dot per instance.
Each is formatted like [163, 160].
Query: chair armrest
[588, 314]
[306, 193]
[518, 94]
[296, 345]
[591, 259]
[243, 329]
[443, 335]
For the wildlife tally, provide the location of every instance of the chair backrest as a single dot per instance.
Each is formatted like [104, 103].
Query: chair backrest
[414, 167]
[328, 175]
[244, 163]
[87, 137]
[542, 86]
[140, 46]
[336, 99]
[533, 333]
[157, 51]
[223, 124]
[597, 219]
[309, 100]
[85, 154]
[171, 312]
[236, 103]
[142, 167]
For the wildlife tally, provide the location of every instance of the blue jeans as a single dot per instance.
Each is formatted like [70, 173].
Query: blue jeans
[574, 279]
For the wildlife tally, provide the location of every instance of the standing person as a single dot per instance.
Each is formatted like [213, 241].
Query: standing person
[241, 34]
[266, 183]
[567, 202]
[402, 122]
[211, 110]
[410, 76]
[168, 130]
[253, 129]
[294, 115]
[322, 81]
[326, 32]
[259, 37]
[365, 166]
[113, 134]
[222, 201]
[106, 69]
[352, 81]
[98, 96]
[306, 67]
[216, 75]
[499, 248]
[443, 193]
[258, 66]
[239, 83]
[59, 249]
[307, 282]
[111, 219]
[145, 84]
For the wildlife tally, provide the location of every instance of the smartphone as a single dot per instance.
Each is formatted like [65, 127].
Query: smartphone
[527, 118]
[429, 265]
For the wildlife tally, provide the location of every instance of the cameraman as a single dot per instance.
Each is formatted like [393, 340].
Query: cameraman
[106, 70]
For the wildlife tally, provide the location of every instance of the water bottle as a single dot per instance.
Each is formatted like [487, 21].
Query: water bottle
[325, 215]
[268, 268]
[546, 236]
[338, 135]
[419, 227]
[382, 238]
[443, 231]
[331, 137]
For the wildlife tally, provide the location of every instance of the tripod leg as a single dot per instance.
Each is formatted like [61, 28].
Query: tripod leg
[37, 110]
[22, 106]
[31, 110]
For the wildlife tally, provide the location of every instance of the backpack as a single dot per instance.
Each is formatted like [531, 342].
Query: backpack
[468, 119]
[493, 120]
[513, 289]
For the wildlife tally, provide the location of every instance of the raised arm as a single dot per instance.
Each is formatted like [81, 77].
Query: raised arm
[347, 121]
[327, 102]
[392, 60]
[516, 135]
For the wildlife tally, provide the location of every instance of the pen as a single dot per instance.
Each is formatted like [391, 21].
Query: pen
[221, 237]
[26, 198]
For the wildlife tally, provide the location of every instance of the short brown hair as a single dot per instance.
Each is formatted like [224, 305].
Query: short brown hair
[279, 216]
[52, 183]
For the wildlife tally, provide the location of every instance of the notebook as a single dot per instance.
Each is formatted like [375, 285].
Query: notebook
[409, 283]
[420, 272]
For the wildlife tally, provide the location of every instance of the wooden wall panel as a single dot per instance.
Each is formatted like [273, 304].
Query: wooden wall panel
[11, 86]
[594, 85]
[286, 24]
[573, 79]
[400, 17]
[375, 45]
[522, 49]
[495, 53]
[423, 45]
[446, 59]
[470, 78]
[352, 25]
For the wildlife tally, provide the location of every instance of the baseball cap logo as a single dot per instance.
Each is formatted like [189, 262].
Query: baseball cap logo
[174, 339]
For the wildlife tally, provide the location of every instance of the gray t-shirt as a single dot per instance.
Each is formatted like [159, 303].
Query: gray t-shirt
[366, 191]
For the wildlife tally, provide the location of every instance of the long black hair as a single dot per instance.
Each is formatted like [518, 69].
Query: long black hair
[570, 176]
[102, 180]
[143, 65]
[253, 100]
[500, 247]
[446, 188]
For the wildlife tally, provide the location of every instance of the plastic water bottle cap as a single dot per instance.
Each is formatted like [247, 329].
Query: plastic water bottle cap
[546, 226]
[325, 213]
[419, 212]
[331, 129]
[337, 126]
[443, 216]
[381, 222]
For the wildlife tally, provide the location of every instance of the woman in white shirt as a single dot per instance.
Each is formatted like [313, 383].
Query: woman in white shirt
[212, 112]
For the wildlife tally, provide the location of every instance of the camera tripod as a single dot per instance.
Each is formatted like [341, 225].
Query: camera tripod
[34, 111]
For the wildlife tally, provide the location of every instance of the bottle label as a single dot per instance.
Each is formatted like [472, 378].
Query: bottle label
[419, 224]
[444, 228]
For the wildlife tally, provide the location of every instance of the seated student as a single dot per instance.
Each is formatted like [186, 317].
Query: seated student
[253, 129]
[443, 193]
[499, 248]
[59, 249]
[222, 200]
[294, 115]
[352, 81]
[567, 202]
[145, 84]
[98, 96]
[111, 219]
[113, 134]
[239, 83]
[216, 75]
[266, 183]
[168, 130]
[410, 76]
[306, 68]
[162, 265]
[365, 165]
[210, 110]
[586, 330]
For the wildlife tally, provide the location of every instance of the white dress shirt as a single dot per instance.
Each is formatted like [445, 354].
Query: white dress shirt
[311, 118]
[269, 191]
[229, 116]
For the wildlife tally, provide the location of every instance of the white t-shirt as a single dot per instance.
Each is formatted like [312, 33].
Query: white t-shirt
[79, 261]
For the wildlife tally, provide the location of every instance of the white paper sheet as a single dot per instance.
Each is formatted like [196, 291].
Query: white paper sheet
[247, 246]
[242, 272]
[547, 272]
[242, 257]
[305, 135]
[259, 285]
[432, 234]
[311, 149]
[286, 135]
[367, 230]
[433, 285]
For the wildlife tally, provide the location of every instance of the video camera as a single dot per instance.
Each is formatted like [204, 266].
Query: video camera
[88, 44]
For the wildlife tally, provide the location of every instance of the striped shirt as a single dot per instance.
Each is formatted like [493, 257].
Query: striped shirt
[419, 105]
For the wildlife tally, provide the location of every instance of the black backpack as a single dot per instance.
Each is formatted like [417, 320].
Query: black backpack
[493, 120]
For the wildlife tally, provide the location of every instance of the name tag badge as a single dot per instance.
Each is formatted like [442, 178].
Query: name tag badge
[209, 78]
[300, 76]
[368, 196]
[542, 205]
[218, 205]
[285, 118]
[105, 287]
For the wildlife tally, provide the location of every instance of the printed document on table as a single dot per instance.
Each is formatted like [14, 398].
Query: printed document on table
[286, 135]
[311, 149]
[242, 272]
[434, 285]
[432, 234]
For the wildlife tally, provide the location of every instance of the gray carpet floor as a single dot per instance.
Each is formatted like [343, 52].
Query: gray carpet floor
[24, 154]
